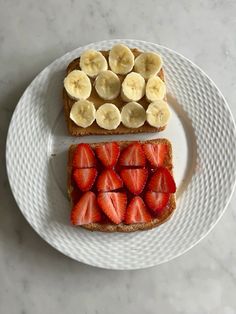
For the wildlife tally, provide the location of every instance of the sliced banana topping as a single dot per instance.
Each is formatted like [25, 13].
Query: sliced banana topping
[108, 116]
[155, 89]
[121, 59]
[133, 87]
[133, 115]
[158, 113]
[93, 62]
[148, 64]
[78, 85]
[107, 85]
[83, 113]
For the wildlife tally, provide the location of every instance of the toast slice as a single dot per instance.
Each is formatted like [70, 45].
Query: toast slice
[111, 227]
[94, 129]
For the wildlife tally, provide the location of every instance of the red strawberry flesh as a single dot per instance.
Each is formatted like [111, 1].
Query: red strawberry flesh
[162, 181]
[134, 179]
[108, 154]
[156, 153]
[156, 201]
[109, 180]
[113, 204]
[86, 210]
[85, 178]
[137, 212]
[83, 157]
[133, 155]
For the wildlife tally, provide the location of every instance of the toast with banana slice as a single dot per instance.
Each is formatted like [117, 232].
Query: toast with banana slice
[119, 91]
[121, 186]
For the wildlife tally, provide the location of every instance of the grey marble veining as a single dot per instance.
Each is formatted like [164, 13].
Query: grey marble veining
[36, 278]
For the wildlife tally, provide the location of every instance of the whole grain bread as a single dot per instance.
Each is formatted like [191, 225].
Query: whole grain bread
[94, 129]
[110, 227]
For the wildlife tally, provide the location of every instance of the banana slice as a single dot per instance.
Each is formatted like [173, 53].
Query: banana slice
[108, 116]
[155, 89]
[92, 62]
[121, 59]
[78, 85]
[158, 113]
[133, 115]
[148, 64]
[133, 87]
[107, 85]
[83, 113]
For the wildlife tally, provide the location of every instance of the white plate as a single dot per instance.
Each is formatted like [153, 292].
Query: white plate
[203, 135]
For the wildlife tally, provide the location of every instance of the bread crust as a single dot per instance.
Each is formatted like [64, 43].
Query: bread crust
[110, 227]
[94, 129]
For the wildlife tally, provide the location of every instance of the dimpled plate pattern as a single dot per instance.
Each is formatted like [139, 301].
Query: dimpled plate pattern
[203, 194]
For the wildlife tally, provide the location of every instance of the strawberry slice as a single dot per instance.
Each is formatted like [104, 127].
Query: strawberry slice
[137, 212]
[109, 180]
[134, 179]
[156, 201]
[113, 204]
[133, 155]
[86, 210]
[84, 157]
[156, 153]
[85, 178]
[75, 195]
[108, 153]
[162, 181]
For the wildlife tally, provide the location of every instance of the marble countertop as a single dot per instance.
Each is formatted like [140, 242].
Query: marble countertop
[35, 278]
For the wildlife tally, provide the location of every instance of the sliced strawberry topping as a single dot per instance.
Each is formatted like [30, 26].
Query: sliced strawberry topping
[85, 178]
[134, 179]
[133, 155]
[109, 180]
[137, 212]
[84, 157]
[108, 153]
[156, 153]
[162, 181]
[75, 194]
[113, 205]
[156, 201]
[86, 210]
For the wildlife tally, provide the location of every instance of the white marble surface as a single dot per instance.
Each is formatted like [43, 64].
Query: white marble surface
[34, 278]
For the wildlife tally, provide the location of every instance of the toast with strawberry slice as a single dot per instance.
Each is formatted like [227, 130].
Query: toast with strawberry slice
[121, 186]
